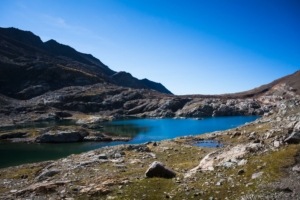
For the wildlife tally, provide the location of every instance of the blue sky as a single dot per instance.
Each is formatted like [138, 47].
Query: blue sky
[190, 46]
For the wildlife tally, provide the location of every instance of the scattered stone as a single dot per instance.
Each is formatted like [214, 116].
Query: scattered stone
[241, 171]
[242, 162]
[296, 168]
[256, 175]
[158, 169]
[284, 190]
[276, 143]
[249, 184]
[102, 156]
[235, 134]
[259, 167]
[118, 155]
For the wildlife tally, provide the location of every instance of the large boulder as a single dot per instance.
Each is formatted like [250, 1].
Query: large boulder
[158, 169]
[293, 138]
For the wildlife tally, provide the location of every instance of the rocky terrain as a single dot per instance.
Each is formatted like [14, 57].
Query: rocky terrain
[50, 82]
[259, 160]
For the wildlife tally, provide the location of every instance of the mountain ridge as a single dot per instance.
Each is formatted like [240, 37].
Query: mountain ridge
[53, 51]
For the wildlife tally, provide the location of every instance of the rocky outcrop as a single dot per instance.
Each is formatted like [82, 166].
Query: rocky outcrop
[219, 107]
[47, 174]
[12, 135]
[60, 135]
[227, 157]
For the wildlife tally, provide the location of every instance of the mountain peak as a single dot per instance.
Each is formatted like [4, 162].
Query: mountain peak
[156, 86]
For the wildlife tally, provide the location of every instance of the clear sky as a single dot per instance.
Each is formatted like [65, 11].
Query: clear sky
[190, 46]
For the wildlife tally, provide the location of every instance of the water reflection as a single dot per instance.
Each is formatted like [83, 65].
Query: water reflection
[128, 130]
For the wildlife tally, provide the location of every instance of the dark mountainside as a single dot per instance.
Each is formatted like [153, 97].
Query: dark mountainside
[23, 48]
[128, 80]
[155, 86]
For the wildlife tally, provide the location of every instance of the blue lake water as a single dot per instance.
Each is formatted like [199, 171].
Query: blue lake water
[142, 130]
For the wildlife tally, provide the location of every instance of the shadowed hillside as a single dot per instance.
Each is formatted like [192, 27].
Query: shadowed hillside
[29, 67]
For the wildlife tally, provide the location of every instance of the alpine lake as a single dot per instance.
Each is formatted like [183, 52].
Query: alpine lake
[141, 130]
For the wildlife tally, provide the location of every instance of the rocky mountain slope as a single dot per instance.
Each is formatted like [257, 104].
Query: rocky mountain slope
[155, 86]
[22, 52]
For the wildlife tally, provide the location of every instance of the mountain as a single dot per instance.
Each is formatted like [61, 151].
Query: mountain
[281, 86]
[155, 86]
[128, 80]
[28, 64]
[63, 50]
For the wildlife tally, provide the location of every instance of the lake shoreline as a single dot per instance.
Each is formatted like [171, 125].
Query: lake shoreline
[97, 138]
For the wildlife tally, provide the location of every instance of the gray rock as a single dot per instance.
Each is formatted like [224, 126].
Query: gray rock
[296, 168]
[297, 127]
[276, 143]
[46, 174]
[294, 138]
[241, 171]
[257, 175]
[235, 134]
[158, 169]
[102, 156]
[242, 162]
[249, 184]
[118, 155]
